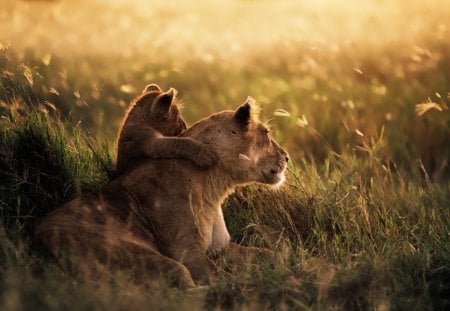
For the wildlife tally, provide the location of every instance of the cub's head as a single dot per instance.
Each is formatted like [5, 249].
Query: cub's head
[246, 151]
[159, 110]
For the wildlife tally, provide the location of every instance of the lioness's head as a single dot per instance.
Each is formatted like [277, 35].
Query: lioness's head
[245, 148]
[160, 110]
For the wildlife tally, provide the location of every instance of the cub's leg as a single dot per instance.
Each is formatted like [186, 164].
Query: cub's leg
[182, 148]
[144, 141]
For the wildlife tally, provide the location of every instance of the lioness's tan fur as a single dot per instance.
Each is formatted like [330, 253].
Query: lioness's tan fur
[165, 216]
[148, 130]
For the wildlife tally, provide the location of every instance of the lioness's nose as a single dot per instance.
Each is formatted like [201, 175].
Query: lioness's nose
[287, 159]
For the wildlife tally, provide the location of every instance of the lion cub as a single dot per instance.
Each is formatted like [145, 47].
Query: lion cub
[149, 128]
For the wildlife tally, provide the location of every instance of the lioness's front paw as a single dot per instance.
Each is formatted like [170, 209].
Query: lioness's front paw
[205, 157]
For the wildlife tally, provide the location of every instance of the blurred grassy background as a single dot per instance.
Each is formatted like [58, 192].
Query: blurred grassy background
[356, 91]
[350, 70]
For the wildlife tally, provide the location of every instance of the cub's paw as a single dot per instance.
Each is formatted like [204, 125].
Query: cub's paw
[204, 156]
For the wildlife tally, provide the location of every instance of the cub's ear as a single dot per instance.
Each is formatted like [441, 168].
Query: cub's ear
[163, 101]
[152, 88]
[243, 115]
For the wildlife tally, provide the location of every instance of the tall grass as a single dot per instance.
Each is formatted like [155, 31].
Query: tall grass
[347, 242]
[354, 233]
[43, 162]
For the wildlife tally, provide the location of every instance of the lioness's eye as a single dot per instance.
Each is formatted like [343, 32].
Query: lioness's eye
[233, 132]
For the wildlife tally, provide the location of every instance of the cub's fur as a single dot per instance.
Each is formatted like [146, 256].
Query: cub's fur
[148, 130]
[165, 216]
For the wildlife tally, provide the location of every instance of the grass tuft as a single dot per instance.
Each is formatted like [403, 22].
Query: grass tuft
[44, 165]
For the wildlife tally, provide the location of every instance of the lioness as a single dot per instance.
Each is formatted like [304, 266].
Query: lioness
[148, 129]
[164, 216]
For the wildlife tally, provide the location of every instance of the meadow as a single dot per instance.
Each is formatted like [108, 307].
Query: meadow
[357, 93]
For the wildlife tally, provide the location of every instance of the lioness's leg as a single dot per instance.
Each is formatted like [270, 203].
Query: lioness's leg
[241, 254]
[197, 263]
[187, 250]
[149, 263]
[86, 248]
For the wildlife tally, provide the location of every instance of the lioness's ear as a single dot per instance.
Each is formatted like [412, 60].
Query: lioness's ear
[152, 88]
[163, 101]
[243, 115]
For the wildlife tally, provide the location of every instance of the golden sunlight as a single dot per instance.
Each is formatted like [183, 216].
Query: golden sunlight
[215, 29]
